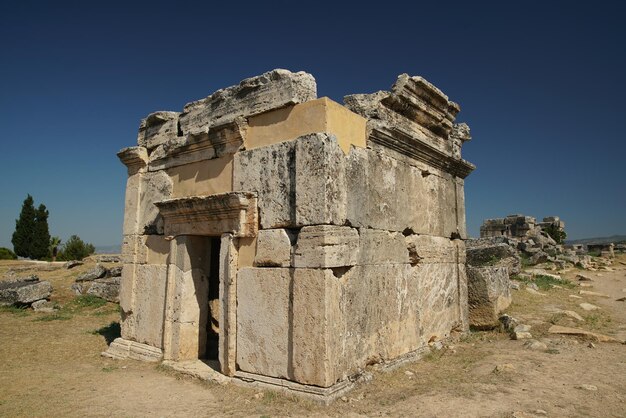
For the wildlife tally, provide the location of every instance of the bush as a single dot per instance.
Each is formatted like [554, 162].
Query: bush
[556, 233]
[75, 249]
[6, 254]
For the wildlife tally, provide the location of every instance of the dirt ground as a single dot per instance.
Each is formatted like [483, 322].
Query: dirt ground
[50, 365]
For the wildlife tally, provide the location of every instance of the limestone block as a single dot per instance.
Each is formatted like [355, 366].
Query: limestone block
[271, 90]
[142, 249]
[385, 193]
[229, 261]
[216, 142]
[149, 303]
[270, 172]
[488, 295]
[24, 292]
[127, 284]
[234, 212]
[431, 249]
[382, 314]
[320, 181]
[134, 158]
[448, 207]
[317, 327]
[461, 223]
[246, 251]
[108, 288]
[326, 246]
[463, 297]
[131, 205]
[382, 247]
[488, 253]
[438, 299]
[189, 313]
[461, 251]
[273, 248]
[157, 128]
[416, 120]
[155, 187]
[263, 318]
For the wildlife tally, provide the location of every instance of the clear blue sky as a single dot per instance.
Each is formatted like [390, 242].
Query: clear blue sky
[542, 87]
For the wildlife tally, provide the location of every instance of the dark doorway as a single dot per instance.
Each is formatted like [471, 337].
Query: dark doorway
[213, 321]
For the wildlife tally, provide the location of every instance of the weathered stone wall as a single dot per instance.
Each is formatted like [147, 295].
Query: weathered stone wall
[342, 227]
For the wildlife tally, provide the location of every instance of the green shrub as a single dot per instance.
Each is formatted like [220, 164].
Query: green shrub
[6, 254]
[556, 233]
[75, 249]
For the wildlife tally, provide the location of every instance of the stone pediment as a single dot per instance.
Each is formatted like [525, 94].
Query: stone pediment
[212, 215]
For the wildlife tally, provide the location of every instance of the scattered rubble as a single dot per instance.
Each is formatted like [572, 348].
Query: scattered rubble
[24, 291]
[100, 281]
[557, 329]
[72, 263]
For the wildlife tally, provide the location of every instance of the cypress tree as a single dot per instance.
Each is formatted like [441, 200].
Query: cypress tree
[31, 237]
[41, 241]
[24, 229]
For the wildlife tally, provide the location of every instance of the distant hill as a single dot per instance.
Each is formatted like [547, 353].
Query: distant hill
[600, 240]
[108, 249]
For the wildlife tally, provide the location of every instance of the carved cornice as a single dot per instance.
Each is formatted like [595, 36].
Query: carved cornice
[404, 143]
[234, 212]
[135, 158]
[207, 144]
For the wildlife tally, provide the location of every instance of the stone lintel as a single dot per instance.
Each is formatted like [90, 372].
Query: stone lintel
[234, 212]
[135, 158]
[409, 145]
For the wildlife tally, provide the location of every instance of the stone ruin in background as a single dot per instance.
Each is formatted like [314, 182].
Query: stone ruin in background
[519, 226]
[290, 240]
[508, 244]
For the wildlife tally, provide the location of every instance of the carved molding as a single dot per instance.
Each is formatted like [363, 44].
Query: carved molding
[234, 212]
[404, 143]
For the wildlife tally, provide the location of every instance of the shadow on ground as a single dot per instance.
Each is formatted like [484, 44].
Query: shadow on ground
[110, 332]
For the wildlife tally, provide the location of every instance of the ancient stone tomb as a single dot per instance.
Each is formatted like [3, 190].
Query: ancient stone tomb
[294, 240]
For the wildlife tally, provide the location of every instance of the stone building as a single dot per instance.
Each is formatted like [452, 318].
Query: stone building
[293, 240]
[518, 226]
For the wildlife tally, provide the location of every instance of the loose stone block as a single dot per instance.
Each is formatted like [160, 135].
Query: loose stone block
[157, 128]
[263, 321]
[326, 246]
[273, 248]
[24, 292]
[488, 295]
[272, 90]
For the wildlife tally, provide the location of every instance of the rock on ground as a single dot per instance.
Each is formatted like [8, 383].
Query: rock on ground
[24, 291]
